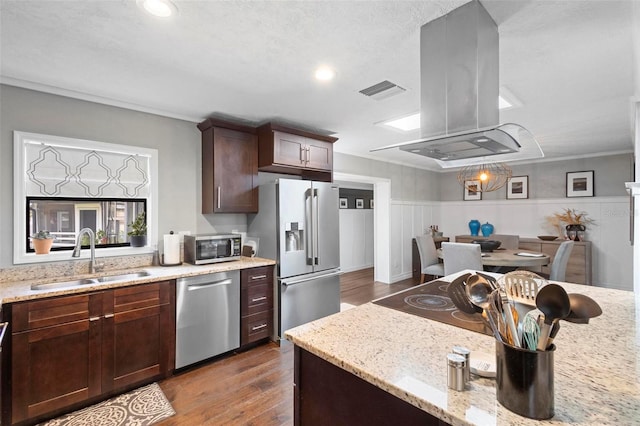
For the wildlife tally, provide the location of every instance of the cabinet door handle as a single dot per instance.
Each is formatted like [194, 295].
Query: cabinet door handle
[258, 327]
[94, 319]
[219, 191]
[259, 299]
[303, 154]
[258, 277]
[307, 156]
[108, 315]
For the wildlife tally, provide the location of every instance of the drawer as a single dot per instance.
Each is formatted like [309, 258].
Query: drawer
[256, 327]
[260, 275]
[55, 311]
[256, 298]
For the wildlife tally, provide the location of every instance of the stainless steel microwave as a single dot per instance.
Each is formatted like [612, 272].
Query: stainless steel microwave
[211, 248]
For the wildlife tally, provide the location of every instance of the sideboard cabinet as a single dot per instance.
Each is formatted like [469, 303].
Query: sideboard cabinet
[579, 268]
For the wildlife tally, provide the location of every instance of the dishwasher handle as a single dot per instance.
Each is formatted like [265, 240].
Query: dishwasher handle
[201, 286]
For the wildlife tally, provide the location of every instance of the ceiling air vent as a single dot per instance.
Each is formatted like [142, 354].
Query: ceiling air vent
[382, 90]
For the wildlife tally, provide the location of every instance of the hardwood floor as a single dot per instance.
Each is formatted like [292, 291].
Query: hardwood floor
[255, 387]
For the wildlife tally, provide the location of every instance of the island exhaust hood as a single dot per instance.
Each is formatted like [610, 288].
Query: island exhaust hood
[459, 89]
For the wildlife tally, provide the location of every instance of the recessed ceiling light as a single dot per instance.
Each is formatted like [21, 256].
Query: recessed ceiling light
[407, 123]
[482, 140]
[325, 73]
[159, 8]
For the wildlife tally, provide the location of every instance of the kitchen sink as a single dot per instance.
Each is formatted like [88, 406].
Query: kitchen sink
[87, 281]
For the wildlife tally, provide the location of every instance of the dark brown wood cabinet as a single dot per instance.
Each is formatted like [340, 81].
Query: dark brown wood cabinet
[229, 167]
[325, 391]
[293, 151]
[69, 351]
[256, 304]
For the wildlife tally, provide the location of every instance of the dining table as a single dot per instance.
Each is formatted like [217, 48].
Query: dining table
[507, 259]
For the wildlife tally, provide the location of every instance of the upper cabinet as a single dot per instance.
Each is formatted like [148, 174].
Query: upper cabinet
[229, 167]
[292, 151]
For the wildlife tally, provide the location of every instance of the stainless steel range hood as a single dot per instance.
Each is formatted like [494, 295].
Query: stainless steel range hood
[459, 89]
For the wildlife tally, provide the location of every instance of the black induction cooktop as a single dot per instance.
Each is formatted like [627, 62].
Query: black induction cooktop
[431, 301]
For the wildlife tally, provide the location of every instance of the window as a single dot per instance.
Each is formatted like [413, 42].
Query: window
[63, 185]
[65, 217]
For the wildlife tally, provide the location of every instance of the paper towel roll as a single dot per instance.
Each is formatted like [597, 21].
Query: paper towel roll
[171, 249]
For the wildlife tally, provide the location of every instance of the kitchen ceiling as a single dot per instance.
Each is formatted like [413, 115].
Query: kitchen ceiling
[570, 63]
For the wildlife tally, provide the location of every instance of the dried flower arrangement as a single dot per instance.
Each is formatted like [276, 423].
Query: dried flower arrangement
[568, 217]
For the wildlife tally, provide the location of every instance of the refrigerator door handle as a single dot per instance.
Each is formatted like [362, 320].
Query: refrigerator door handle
[308, 245]
[316, 225]
[315, 277]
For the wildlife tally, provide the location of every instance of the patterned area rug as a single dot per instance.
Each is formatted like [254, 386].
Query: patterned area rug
[141, 407]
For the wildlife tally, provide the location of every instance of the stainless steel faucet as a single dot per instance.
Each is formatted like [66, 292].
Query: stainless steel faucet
[93, 266]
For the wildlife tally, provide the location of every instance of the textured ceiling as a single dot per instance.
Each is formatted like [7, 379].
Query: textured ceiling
[569, 62]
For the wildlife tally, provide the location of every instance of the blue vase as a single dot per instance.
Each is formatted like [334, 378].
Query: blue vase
[474, 227]
[487, 229]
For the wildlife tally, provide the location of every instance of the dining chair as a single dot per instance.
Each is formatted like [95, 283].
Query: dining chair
[460, 256]
[509, 242]
[429, 262]
[560, 261]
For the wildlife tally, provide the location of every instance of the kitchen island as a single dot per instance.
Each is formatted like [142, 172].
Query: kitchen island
[399, 362]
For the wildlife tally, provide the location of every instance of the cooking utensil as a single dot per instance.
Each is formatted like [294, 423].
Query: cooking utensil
[458, 295]
[582, 308]
[553, 302]
[510, 319]
[523, 286]
[479, 292]
[552, 335]
[530, 331]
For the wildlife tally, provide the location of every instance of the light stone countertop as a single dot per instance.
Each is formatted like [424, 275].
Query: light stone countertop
[16, 291]
[597, 365]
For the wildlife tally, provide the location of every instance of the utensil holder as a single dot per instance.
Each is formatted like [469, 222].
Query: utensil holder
[524, 381]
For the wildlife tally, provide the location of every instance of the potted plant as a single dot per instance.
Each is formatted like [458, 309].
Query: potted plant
[138, 231]
[574, 222]
[42, 242]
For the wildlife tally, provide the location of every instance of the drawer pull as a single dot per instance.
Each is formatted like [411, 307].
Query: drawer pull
[259, 299]
[94, 318]
[108, 315]
[258, 277]
[258, 327]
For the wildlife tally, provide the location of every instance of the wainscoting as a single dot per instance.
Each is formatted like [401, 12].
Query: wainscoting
[612, 252]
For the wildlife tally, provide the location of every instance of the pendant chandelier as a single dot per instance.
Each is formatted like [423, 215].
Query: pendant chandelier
[484, 177]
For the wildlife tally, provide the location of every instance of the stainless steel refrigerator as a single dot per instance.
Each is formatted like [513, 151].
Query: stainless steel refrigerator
[297, 225]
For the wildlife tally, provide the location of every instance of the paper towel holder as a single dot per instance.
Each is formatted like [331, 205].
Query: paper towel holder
[161, 260]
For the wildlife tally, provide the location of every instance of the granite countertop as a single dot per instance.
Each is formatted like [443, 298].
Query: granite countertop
[16, 291]
[597, 365]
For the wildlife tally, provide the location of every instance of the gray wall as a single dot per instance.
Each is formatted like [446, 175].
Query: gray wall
[548, 179]
[407, 183]
[177, 142]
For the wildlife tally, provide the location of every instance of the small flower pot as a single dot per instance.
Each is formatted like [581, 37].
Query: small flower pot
[138, 240]
[42, 246]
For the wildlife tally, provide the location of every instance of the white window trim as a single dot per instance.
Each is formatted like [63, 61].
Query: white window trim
[20, 255]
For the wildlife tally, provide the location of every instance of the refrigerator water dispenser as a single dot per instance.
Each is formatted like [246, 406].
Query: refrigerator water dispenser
[294, 237]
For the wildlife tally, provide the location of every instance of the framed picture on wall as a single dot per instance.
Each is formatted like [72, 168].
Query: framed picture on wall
[471, 190]
[359, 203]
[518, 187]
[344, 203]
[580, 184]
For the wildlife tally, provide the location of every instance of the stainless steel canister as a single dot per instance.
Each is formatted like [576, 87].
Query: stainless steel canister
[466, 353]
[455, 372]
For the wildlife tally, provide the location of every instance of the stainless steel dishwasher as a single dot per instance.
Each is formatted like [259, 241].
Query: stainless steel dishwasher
[207, 316]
